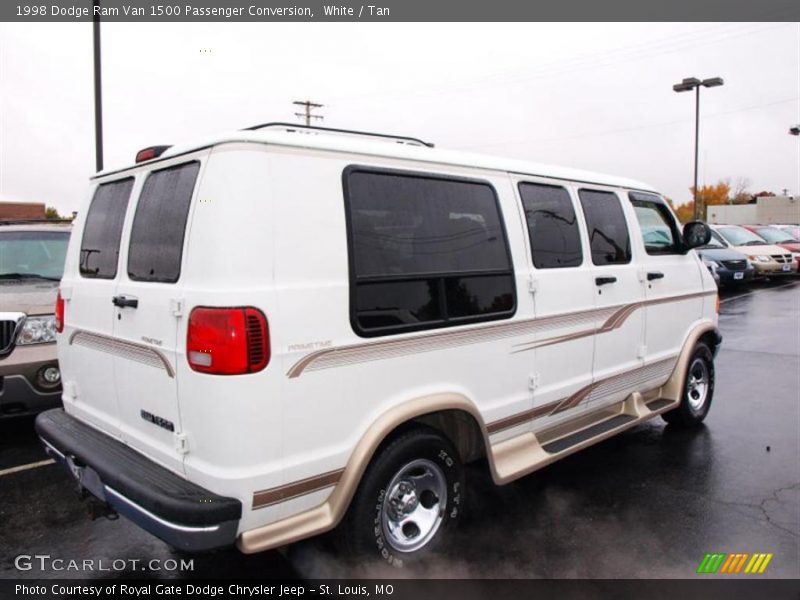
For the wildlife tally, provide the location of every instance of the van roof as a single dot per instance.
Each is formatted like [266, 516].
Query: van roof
[371, 146]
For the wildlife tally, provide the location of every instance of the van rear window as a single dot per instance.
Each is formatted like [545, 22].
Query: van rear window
[156, 246]
[103, 229]
[425, 252]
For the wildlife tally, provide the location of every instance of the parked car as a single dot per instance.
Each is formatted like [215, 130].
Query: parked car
[31, 264]
[729, 266]
[792, 230]
[779, 237]
[278, 331]
[769, 260]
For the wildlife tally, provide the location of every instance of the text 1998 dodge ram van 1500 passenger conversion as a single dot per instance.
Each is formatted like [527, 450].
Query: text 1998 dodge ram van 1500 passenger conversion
[284, 330]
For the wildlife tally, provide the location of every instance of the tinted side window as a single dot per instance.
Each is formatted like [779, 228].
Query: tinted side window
[159, 226]
[552, 226]
[103, 229]
[425, 252]
[608, 232]
[659, 231]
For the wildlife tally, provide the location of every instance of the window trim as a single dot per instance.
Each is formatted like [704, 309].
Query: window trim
[589, 233]
[353, 280]
[132, 179]
[185, 225]
[663, 208]
[524, 182]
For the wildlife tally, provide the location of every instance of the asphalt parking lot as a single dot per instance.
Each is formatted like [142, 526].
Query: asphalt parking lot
[646, 504]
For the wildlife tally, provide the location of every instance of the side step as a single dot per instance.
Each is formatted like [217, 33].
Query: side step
[578, 437]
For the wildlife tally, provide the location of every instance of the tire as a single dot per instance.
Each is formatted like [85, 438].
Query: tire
[698, 390]
[408, 502]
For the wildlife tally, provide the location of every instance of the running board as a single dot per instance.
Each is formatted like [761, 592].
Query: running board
[518, 456]
[586, 434]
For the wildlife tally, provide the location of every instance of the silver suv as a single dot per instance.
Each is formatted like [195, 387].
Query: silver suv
[31, 265]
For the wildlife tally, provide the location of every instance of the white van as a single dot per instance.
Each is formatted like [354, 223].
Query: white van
[283, 330]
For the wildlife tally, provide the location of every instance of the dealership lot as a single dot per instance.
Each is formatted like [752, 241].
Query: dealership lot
[648, 503]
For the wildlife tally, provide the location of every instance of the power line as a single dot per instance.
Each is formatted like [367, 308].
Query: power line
[623, 129]
[598, 60]
[306, 114]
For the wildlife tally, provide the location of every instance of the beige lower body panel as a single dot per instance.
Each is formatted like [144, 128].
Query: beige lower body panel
[508, 460]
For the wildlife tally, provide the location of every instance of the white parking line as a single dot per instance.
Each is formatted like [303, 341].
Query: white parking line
[35, 465]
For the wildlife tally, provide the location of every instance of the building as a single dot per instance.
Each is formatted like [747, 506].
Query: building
[10, 211]
[766, 211]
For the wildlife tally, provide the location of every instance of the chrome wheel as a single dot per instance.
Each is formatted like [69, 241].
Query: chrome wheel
[414, 505]
[698, 384]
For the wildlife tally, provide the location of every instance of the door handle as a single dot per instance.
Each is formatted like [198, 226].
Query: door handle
[655, 275]
[604, 280]
[124, 302]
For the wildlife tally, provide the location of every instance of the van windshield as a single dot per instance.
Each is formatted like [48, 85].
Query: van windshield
[32, 254]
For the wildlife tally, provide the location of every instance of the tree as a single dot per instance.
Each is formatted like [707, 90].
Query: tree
[740, 193]
[685, 212]
[712, 195]
[51, 213]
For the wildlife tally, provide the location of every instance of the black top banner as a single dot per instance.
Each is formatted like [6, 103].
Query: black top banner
[400, 10]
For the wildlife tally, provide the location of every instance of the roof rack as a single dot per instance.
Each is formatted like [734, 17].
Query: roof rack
[291, 127]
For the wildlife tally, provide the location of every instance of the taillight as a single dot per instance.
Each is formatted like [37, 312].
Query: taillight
[59, 313]
[227, 341]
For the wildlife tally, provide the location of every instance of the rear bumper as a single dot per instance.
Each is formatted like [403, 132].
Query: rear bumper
[179, 512]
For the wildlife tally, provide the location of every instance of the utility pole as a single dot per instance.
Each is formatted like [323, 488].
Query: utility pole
[308, 105]
[98, 92]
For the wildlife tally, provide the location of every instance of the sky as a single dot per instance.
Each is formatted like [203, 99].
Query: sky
[589, 96]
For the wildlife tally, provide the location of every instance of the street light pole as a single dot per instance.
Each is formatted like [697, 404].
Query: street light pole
[688, 84]
[98, 91]
[696, 146]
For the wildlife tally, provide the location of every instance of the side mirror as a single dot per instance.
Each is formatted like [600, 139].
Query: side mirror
[696, 234]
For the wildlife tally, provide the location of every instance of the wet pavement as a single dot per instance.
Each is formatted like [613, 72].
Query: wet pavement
[649, 503]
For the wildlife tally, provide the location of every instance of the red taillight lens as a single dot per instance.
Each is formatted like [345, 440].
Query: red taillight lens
[227, 341]
[59, 313]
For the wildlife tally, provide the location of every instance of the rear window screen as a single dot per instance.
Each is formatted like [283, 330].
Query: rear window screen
[103, 228]
[158, 228]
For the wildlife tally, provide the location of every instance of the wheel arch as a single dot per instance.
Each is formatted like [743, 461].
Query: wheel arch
[453, 414]
[705, 332]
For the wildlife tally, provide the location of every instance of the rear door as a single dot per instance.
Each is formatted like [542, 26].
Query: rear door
[89, 283]
[147, 306]
[563, 292]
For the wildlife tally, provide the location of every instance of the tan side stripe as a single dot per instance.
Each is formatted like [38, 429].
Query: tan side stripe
[583, 394]
[298, 488]
[519, 418]
[132, 351]
[383, 349]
